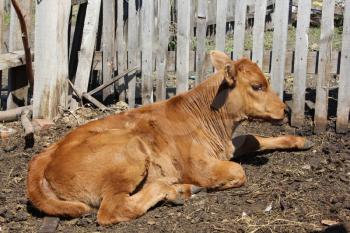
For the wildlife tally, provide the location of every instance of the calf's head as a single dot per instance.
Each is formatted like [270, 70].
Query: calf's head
[248, 87]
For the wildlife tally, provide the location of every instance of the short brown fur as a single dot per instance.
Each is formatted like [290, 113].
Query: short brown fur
[124, 164]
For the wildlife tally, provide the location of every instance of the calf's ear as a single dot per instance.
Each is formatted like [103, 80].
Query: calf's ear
[230, 74]
[218, 59]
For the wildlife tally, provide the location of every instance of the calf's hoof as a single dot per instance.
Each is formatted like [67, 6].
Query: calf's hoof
[308, 144]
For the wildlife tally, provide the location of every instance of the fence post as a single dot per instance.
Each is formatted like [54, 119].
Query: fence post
[163, 40]
[1, 41]
[239, 30]
[147, 50]
[121, 49]
[344, 81]
[324, 67]
[221, 12]
[108, 45]
[51, 57]
[17, 81]
[183, 45]
[133, 39]
[300, 67]
[201, 34]
[280, 20]
[258, 32]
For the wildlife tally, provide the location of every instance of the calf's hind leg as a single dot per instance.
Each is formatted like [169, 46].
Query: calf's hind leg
[122, 207]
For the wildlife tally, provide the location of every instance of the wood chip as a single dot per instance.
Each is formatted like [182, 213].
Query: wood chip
[327, 222]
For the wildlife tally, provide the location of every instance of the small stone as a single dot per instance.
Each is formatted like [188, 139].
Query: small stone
[151, 222]
[306, 167]
[250, 201]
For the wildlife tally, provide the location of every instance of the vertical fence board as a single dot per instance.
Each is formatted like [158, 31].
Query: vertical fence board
[201, 32]
[300, 67]
[147, 51]
[1, 42]
[108, 45]
[87, 48]
[279, 45]
[258, 32]
[239, 30]
[221, 11]
[121, 49]
[344, 81]
[324, 67]
[1, 25]
[133, 38]
[183, 45]
[51, 58]
[163, 40]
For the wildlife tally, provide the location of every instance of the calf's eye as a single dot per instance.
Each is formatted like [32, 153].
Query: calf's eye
[257, 87]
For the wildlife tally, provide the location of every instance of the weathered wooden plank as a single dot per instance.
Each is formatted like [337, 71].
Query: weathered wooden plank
[162, 48]
[279, 46]
[147, 22]
[1, 42]
[300, 64]
[221, 11]
[13, 59]
[121, 49]
[133, 51]
[344, 81]
[239, 30]
[108, 45]
[183, 45]
[201, 32]
[87, 48]
[51, 58]
[77, 2]
[324, 67]
[258, 32]
[1, 25]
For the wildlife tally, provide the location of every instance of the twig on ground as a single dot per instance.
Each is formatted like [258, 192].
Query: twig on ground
[26, 115]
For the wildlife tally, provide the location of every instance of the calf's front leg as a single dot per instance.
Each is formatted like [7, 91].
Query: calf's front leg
[249, 143]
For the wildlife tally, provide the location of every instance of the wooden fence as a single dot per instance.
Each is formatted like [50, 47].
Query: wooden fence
[103, 43]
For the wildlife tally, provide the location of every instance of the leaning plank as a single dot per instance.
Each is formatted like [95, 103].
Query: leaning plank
[344, 81]
[183, 45]
[221, 11]
[147, 51]
[201, 32]
[300, 67]
[87, 48]
[108, 44]
[121, 48]
[324, 67]
[133, 51]
[279, 46]
[258, 32]
[163, 30]
[51, 58]
[25, 41]
[85, 95]
[12, 114]
[239, 30]
[113, 80]
[17, 86]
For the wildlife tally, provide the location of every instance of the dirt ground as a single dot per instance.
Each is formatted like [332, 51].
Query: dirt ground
[286, 191]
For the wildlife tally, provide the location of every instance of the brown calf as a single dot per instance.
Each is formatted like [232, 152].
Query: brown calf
[126, 163]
